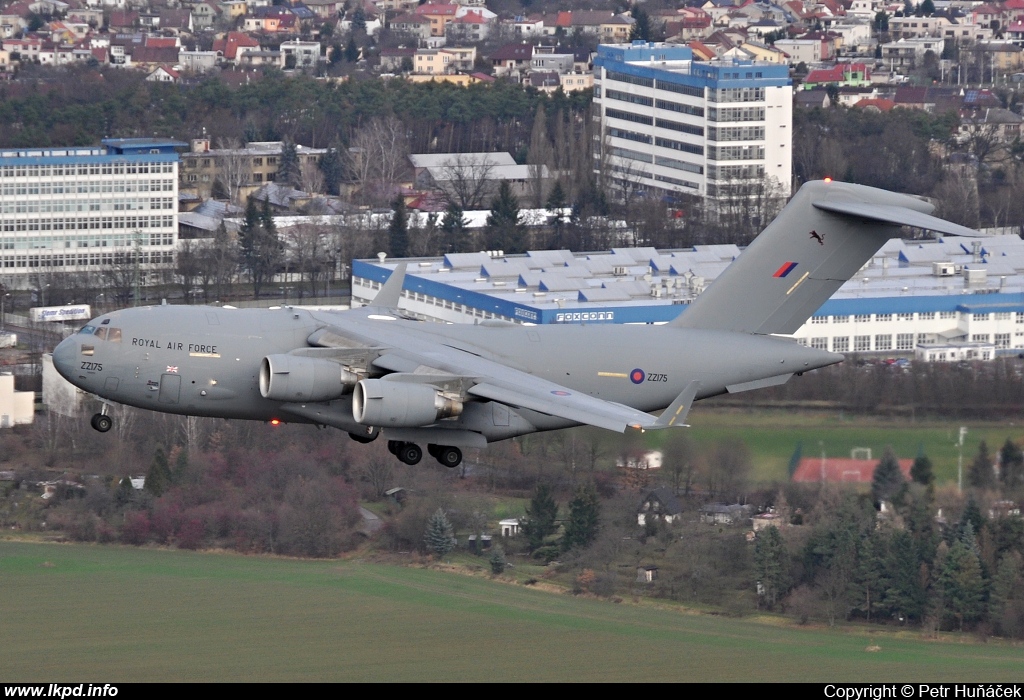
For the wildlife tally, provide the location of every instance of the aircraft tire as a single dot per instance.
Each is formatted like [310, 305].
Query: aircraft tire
[410, 453]
[102, 423]
[394, 446]
[432, 450]
[450, 457]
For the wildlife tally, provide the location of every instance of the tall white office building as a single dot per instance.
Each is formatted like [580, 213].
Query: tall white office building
[78, 209]
[671, 125]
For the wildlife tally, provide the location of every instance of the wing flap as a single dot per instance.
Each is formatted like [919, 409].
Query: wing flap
[569, 405]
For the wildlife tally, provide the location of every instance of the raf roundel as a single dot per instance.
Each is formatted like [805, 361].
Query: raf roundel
[637, 376]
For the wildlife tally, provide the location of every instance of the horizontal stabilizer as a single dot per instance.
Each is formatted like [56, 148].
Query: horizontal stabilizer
[901, 216]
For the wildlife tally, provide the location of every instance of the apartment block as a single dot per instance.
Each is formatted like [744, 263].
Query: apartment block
[75, 209]
[672, 125]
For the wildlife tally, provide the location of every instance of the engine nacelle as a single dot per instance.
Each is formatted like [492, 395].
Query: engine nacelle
[400, 404]
[295, 378]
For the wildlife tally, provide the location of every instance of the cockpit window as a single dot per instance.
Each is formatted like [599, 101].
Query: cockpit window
[88, 330]
[114, 335]
[101, 333]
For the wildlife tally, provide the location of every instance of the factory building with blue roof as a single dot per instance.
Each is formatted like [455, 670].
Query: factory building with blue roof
[946, 299]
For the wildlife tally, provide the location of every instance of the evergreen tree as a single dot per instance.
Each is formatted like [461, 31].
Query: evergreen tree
[1011, 465]
[440, 537]
[905, 594]
[180, 466]
[333, 170]
[359, 20]
[771, 565]
[556, 201]
[540, 517]
[971, 519]
[158, 479]
[963, 587]
[504, 229]
[498, 561]
[454, 227]
[125, 492]
[926, 8]
[869, 580]
[398, 229]
[641, 29]
[1006, 604]
[979, 473]
[259, 246]
[288, 172]
[887, 480]
[351, 50]
[921, 472]
[584, 518]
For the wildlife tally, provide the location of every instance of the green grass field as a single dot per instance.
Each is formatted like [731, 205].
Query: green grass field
[108, 614]
[772, 437]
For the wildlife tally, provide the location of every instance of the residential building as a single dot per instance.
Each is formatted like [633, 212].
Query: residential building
[239, 171]
[433, 61]
[306, 53]
[909, 53]
[671, 125]
[75, 209]
[800, 50]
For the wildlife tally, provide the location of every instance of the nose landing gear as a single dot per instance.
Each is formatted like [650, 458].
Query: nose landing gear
[102, 422]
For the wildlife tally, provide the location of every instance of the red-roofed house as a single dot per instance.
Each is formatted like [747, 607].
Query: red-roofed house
[838, 470]
[470, 27]
[847, 74]
[875, 104]
[164, 74]
[234, 43]
[439, 14]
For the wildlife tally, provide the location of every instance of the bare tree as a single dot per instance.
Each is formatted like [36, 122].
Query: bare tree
[311, 178]
[957, 198]
[235, 167]
[377, 158]
[466, 181]
[310, 253]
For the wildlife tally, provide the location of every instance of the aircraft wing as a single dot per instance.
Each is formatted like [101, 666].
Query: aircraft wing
[490, 380]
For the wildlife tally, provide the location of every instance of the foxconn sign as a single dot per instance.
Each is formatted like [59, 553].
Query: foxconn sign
[76, 312]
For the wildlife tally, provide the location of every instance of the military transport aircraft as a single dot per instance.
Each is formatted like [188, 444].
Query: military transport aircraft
[370, 370]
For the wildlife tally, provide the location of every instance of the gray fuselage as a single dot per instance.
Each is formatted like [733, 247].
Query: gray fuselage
[205, 361]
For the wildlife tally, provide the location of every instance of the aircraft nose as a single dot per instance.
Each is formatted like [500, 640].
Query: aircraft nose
[64, 356]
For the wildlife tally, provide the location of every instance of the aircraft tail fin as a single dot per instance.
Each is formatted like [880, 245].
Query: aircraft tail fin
[391, 291]
[819, 241]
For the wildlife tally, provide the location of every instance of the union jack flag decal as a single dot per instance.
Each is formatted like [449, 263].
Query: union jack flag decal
[172, 370]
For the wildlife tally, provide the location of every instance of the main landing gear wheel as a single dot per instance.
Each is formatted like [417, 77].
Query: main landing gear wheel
[410, 453]
[450, 457]
[102, 423]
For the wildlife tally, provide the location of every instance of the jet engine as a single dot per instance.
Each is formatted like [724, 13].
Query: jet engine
[294, 378]
[400, 404]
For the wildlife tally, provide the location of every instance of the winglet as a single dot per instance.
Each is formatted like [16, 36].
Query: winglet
[675, 415]
[391, 292]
